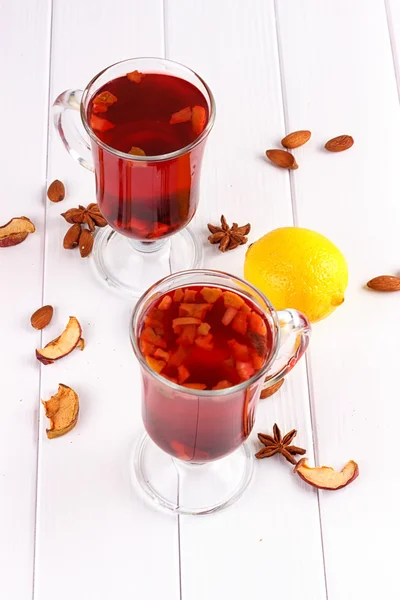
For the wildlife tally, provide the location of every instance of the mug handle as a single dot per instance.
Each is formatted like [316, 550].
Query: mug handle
[295, 332]
[73, 140]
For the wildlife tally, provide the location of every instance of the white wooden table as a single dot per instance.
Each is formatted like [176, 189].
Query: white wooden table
[70, 524]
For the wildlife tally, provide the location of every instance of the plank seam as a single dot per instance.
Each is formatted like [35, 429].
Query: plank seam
[393, 48]
[48, 108]
[295, 222]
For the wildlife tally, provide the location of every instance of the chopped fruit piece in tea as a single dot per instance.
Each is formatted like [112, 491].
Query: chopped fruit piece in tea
[239, 351]
[190, 295]
[245, 370]
[183, 374]
[165, 303]
[99, 124]
[232, 299]
[149, 335]
[239, 322]
[246, 308]
[258, 360]
[199, 119]
[187, 335]
[211, 295]
[178, 357]
[198, 311]
[147, 348]
[208, 343]
[181, 450]
[222, 385]
[195, 386]
[204, 342]
[182, 116]
[135, 151]
[178, 295]
[257, 324]
[106, 98]
[203, 329]
[135, 76]
[160, 229]
[185, 321]
[156, 365]
[100, 108]
[229, 315]
[159, 353]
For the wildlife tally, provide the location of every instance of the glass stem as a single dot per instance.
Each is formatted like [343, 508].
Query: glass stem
[147, 247]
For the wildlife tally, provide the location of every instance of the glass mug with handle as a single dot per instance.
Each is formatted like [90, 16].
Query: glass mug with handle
[207, 343]
[147, 121]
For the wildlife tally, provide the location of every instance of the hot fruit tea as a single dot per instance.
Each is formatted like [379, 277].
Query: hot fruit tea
[203, 338]
[148, 114]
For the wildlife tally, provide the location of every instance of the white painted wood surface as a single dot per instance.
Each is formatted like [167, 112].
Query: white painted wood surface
[69, 520]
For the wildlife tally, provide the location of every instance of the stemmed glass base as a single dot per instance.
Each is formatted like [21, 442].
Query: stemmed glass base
[134, 266]
[190, 489]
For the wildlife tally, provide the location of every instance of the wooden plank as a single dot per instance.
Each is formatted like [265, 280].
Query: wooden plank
[253, 547]
[339, 79]
[24, 73]
[94, 534]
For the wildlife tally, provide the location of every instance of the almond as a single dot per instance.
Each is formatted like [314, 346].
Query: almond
[282, 159]
[269, 391]
[56, 191]
[86, 243]
[42, 317]
[71, 238]
[339, 143]
[296, 139]
[384, 283]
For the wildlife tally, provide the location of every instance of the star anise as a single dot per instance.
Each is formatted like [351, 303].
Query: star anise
[279, 444]
[227, 237]
[90, 215]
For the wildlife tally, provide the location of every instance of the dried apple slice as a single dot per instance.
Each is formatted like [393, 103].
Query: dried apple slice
[15, 231]
[326, 478]
[62, 409]
[62, 345]
[81, 344]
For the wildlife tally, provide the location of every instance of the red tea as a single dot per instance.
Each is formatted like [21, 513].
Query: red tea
[149, 114]
[202, 338]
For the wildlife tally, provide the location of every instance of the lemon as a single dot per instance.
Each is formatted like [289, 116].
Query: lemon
[298, 268]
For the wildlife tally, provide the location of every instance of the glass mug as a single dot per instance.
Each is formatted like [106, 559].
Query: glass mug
[194, 459]
[147, 200]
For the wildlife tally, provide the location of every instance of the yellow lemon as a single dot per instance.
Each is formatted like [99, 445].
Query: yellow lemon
[298, 268]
